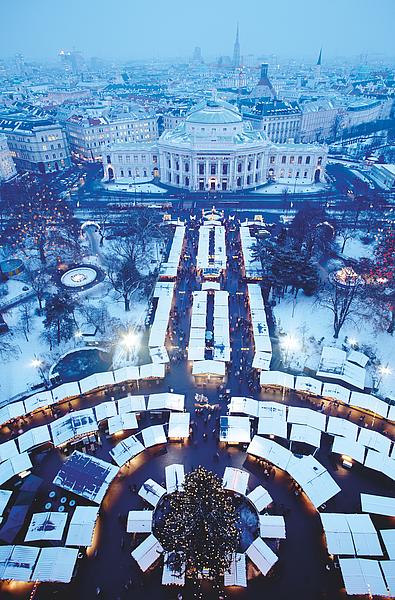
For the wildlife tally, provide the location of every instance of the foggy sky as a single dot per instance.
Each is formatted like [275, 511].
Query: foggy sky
[130, 29]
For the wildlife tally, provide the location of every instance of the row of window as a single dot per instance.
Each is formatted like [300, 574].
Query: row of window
[135, 174]
[292, 160]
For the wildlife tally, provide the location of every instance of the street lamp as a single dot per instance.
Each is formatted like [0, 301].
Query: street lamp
[289, 343]
[37, 363]
[130, 341]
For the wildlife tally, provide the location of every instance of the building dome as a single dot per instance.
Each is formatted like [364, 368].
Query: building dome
[214, 112]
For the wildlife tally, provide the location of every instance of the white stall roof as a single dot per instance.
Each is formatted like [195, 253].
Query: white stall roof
[175, 477]
[72, 425]
[378, 505]
[388, 569]
[198, 321]
[152, 371]
[273, 426]
[261, 555]
[5, 496]
[33, 438]
[237, 573]
[105, 410]
[348, 447]
[66, 390]
[126, 450]
[306, 416]
[14, 465]
[388, 536]
[235, 429]
[270, 450]
[37, 401]
[82, 526]
[46, 526]
[171, 576]
[364, 535]
[235, 480]
[272, 526]
[131, 404]
[380, 462]
[262, 361]
[336, 392]
[305, 434]
[211, 285]
[358, 358]
[55, 564]
[337, 532]
[139, 521]
[122, 423]
[17, 562]
[159, 355]
[151, 492]
[342, 427]
[374, 440]
[166, 401]
[370, 403]
[154, 435]
[125, 374]
[96, 381]
[196, 352]
[179, 425]
[12, 411]
[263, 344]
[277, 378]
[260, 498]
[308, 384]
[362, 577]
[8, 450]
[313, 478]
[243, 405]
[209, 367]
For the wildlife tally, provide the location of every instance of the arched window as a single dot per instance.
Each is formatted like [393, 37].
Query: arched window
[108, 159]
[307, 160]
[186, 181]
[319, 160]
[238, 182]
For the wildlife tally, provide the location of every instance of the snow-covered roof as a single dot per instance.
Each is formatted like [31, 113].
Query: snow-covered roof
[243, 405]
[235, 429]
[179, 425]
[8, 450]
[131, 404]
[14, 465]
[306, 416]
[342, 427]
[260, 498]
[306, 434]
[362, 577]
[235, 480]
[166, 401]
[213, 368]
[308, 384]
[82, 526]
[139, 521]
[370, 403]
[272, 526]
[175, 477]
[349, 448]
[261, 555]
[378, 505]
[122, 422]
[105, 410]
[46, 526]
[277, 378]
[73, 425]
[151, 492]
[126, 450]
[33, 438]
[236, 575]
[125, 374]
[379, 462]
[153, 435]
[55, 564]
[96, 381]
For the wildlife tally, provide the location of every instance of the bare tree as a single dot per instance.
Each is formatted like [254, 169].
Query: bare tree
[39, 282]
[25, 316]
[342, 301]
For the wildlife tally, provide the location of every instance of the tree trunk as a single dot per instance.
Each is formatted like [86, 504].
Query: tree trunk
[344, 245]
[40, 305]
[127, 303]
[43, 258]
[391, 327]
[58, 332]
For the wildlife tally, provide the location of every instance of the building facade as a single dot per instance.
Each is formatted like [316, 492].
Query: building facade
[318, 120]
[36, 143]
[279, 120]
[90, 135]
[7, 165]
[214, 149]
[384, 176]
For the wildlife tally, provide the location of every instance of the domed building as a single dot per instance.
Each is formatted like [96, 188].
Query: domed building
[213, 149]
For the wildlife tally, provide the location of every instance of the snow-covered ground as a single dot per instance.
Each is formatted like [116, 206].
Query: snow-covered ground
[13, 290]
[311, 326]
[355, 248]
[289, 185]
[135, 186]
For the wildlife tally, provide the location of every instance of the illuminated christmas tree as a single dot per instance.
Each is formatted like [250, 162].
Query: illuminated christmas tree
[199, 527]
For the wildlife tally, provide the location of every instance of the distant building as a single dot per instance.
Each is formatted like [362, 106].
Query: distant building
[172, 119]
[90, 135]
[236, 62]
[318, 122]
[279, 120]
[36, 142]
[366, 110]
[384, 176]
[214, 149]
[197, 56]
[317, 70]
[264, 88]
[7, 165]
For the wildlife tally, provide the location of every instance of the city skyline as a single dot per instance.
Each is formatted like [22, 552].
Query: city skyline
[96, 30]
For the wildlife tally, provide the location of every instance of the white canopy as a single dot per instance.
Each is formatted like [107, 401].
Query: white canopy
[277, 378]
[82, 526]
[179, 426]
[235, 480]
[73, 425]
[262, 361]
[46, 526]
[96, 381]
[159, 355]
[341, 427]
[379, 462]
[122, 423]
[37, 401]
[272, 526]
[235, 430]
[349, 448]
[308, 384]
[151, 492]
[305, 434]
[5, 496]
[237, 573]
[306, 416]
[362, 577]
[211, 285]
[14, 465]
[169, 575]
[358, 358]
[33, 438]
[243, 405]
[337, 533]
[261, 555]
[260, 498]
[12, 411]
[213, 368]
[126, 374]
[139, 521]
[8, 450]
[388, 536]
[106, 410]
[370, 403]
[336, 392]
[166, 401]
[154, 435]
[198, 321]
[66, 390]
[55, 564]
[388, 569]
[126, 450]
[275, 425]
[364, 535]
[378, 505]
[270, 450]
[152, 371]
[375, 440]
[17, 562]
[131, 404]
[175, 477]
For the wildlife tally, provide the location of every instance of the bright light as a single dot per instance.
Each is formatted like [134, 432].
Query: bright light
[130, 340]
[36, 362]
[353, 342]
[78, 334]
[385, 370]
[290, 343]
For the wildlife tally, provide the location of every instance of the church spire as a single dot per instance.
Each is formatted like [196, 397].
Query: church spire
[236, 49]
[319, 61]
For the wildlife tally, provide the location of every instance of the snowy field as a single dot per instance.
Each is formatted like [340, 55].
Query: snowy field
[355, 248]
[135, 186]
[280, 187]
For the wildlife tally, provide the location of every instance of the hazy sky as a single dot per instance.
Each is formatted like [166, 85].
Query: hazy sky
[130, 29]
